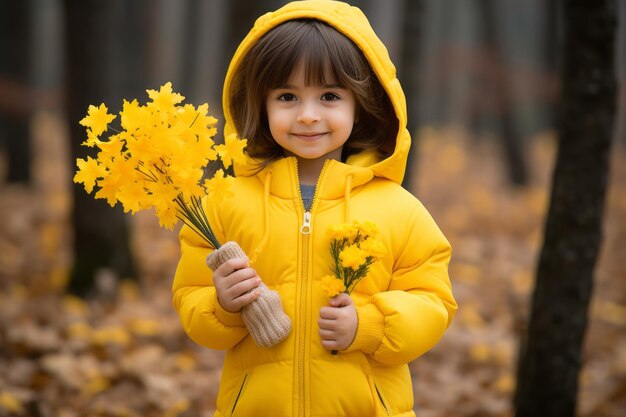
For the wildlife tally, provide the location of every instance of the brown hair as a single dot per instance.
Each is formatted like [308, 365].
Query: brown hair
[324, 52]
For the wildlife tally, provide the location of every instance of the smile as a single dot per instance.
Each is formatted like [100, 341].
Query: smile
[309, 136]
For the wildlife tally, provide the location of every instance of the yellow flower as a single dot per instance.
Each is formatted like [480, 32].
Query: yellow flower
[203, 149]
[188, 183]
[218, 187]
[164, 99]
[111, 148]
[187, 157]
[367, 228]
[352, 257]
[92, 139]
[332, 285]
[232, 150]
[131, 196]
[133, 116]
[97, 119]
[89, 170]
[335, 232]
[341, 231]
[119, 172]
[196, 121]
[109, 188]
[204, 122]
[162, 194]
[350, 231]
[168, 217]
[373, 247]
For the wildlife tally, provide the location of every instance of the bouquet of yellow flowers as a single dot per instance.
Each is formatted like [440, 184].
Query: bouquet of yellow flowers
[354, 247]
[157, 159]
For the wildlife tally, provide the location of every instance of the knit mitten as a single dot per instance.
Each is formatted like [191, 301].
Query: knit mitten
[265, 318]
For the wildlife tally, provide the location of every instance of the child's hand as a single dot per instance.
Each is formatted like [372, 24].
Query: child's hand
[234, 281]
[338, 323]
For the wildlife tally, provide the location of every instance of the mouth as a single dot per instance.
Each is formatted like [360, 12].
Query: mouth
[309, 135]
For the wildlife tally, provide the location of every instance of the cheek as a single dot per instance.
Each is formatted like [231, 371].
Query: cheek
[276, 122]
[272, 118]
[346, 120]
[275, 114]
[350, 114]
[279, 124]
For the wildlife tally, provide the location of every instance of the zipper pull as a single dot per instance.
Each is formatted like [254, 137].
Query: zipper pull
[305, 229]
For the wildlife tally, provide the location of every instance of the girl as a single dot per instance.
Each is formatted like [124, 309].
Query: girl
[314, 92]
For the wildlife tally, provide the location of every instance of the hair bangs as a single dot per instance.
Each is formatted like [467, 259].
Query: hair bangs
[305, 46]
[318, 66]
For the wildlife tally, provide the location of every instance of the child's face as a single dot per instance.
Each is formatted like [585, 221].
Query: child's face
[310, 122]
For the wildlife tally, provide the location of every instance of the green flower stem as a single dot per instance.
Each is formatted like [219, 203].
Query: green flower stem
[202, 219]
[196, 219]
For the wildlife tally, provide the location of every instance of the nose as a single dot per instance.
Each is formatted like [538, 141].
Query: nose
[308, 114]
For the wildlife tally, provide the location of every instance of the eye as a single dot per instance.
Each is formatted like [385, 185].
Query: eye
[286, 97]
[330, 97]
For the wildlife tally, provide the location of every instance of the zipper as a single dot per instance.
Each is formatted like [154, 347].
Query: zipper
[302, 294]
[302, 335]
[305, 229]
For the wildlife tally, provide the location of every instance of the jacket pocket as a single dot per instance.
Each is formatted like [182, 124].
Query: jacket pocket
[238, 395]
[381, 404]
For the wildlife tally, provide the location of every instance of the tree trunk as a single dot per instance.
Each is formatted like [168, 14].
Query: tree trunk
[15, 82]
[502, 89]
[620, 48]
[100, 232]
[550, 358]
[409, 76]
[242, 15]
[551, 56]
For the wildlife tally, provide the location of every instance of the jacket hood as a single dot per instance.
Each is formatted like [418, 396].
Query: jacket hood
[351, 22]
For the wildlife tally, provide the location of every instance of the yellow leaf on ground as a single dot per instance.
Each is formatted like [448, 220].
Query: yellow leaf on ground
[75, 306]
[79, 330]
[609, 311]
[111, 335]
[129, 290]
[95, 386]
[145, 327]
[185, 362]
[480, 352]
[505, 383]
[466, 272]
[471, 317]
[523, 282]
[58, 277]
[178, 408]
[10, 403]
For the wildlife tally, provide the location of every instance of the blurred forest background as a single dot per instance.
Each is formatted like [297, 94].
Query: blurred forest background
[497, 91]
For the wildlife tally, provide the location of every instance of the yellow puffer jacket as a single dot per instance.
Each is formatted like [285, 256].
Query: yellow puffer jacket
[404, 304]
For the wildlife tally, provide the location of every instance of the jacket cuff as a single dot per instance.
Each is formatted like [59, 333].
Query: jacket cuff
[370, 330]
[226, 317]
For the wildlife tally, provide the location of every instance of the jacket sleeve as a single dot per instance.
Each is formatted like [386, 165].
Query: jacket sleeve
[195, 298]
[400, 324]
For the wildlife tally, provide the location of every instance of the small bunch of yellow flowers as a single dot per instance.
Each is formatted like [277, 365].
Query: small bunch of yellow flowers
[354, 247]
[157, 159]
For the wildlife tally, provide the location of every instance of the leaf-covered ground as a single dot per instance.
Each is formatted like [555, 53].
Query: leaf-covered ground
[123, 353]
